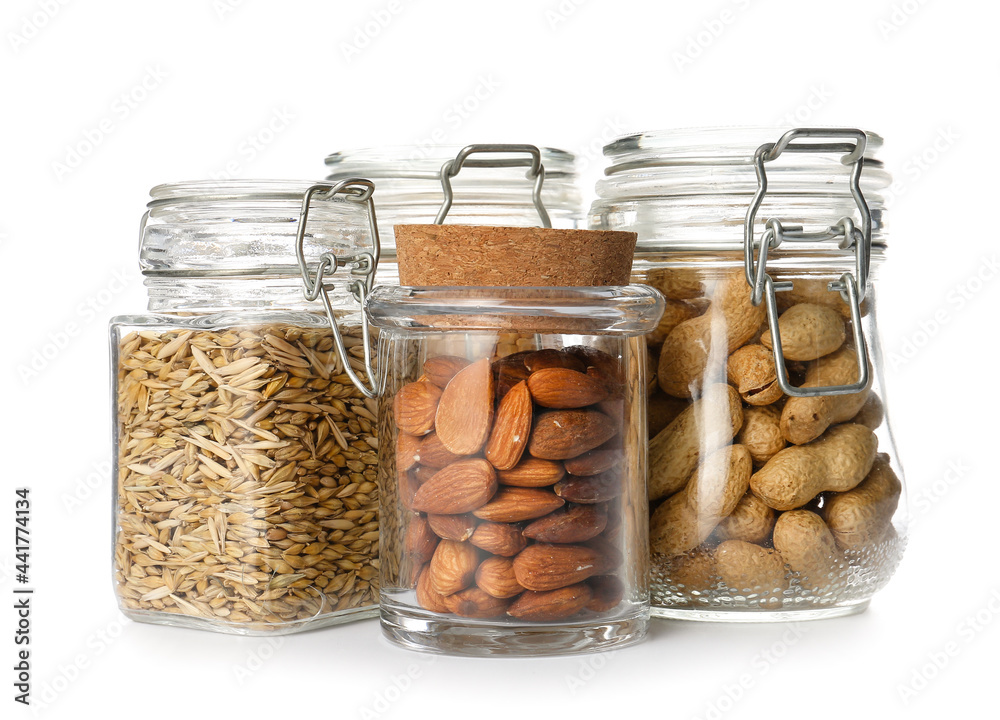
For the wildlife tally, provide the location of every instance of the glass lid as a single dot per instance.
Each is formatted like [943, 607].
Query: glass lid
[243, 227]
[690, 189]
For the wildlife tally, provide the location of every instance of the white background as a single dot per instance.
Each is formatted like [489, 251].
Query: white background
[201, 78]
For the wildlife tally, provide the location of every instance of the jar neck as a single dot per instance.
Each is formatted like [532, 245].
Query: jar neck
[215, 294]
[690, 190]
[237, 232]
[410, 189]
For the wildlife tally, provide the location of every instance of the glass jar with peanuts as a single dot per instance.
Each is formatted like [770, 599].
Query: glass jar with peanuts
[775, 490]
[245, 457]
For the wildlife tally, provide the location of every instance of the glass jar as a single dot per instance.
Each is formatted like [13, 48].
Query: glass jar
[245, 458]
[491, 190]
[775, 489]
[514, 515]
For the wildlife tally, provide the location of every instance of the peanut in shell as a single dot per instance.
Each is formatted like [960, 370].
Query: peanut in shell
[837, 462]
[709, 423]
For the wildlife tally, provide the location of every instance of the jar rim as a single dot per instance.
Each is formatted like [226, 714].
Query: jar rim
[691, 188]
[721, 161]
[243, 228]
[194, 191]
[605, 310]
[722, 145]
[423, 162]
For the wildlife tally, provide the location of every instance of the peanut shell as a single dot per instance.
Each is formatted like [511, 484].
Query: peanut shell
[808, 331]
[706, 425]
[685, 355]
[837, 462]
[861, 516]
[803, 419]
[808, 547]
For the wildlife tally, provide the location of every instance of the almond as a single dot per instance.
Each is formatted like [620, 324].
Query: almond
[415, 407]
[589, 490]
[551, 605]
[452, 527]
[409, 575]
[406, 451]
[465, 413]
[499, 539]
[476, 603]
[453, 566]
[423, 474]
[608, 592]
[508, 372]
[408, 486]
[543, 566]
[596, 461]
[543, 359]
[433, 453]
[612, 531]
[611, 386]
[427, 596]
[608, 365]
[571, 524]
[511, 428]
[441, 369]
[514, 504]
[564, 434]
[532, 472]
[459, 488]
[565, 389]
[613, 408]
[420, 541]
[601, 366]
[610, 558]
[496, 577]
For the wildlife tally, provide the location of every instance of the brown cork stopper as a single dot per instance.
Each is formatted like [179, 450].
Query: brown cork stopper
[480, 255]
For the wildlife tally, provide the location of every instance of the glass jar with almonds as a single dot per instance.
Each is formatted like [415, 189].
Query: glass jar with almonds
[775, 490]
[513, 508]
[246, 495]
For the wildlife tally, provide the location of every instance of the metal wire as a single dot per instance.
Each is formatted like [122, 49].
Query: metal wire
[361, 265]
[852, 288]
[536, 172]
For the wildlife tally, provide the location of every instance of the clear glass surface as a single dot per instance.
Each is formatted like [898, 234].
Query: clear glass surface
[245, 462]
[409, 190]
[763, 503]
[245, 499]
[685, 190]
[764, 507]
[208, 245]
[512, 462]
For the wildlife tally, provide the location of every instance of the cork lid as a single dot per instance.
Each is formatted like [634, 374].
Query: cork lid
[489, 256]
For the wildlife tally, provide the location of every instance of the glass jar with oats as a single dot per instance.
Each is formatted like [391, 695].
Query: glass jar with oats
[775, 490]
[245, 456]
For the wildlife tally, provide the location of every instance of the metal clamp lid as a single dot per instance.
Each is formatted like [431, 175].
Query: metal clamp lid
[852, 288]
[362, 268]
[536, 172]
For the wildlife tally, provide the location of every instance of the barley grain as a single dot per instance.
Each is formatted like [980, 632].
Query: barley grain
[245, 469]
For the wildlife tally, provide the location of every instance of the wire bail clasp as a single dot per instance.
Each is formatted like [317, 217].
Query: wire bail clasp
[852, 288]
[536, 172]
[361, 266]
